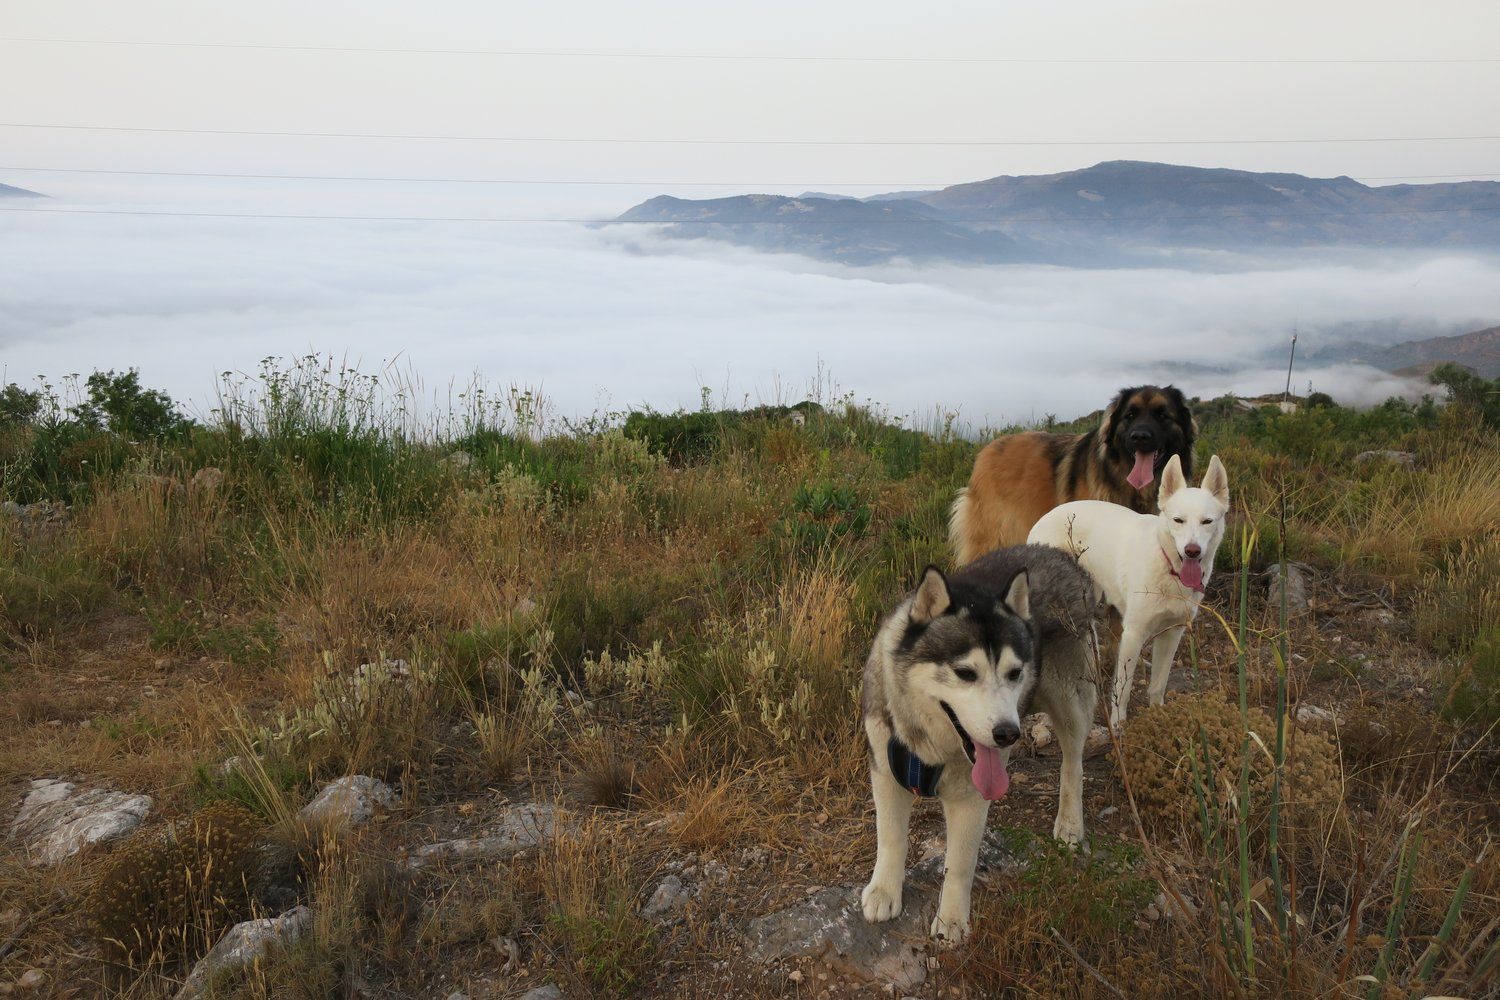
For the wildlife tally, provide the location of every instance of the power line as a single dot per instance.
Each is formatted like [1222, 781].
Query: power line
[603, 183]
[741, 222]
[751, 142]
[752, 57]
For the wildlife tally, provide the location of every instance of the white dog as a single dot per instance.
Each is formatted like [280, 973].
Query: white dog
[1151, 568]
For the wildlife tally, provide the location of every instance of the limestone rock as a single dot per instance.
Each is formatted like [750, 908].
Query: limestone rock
[57, 819]
[352, 800]
[1296, 586]
[520, 827]
[242, 945]
[830, 924]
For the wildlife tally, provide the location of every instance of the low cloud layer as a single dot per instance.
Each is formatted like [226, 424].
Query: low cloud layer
[604, 319]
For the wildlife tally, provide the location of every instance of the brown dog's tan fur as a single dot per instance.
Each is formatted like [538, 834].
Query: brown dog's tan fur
[1020, 477]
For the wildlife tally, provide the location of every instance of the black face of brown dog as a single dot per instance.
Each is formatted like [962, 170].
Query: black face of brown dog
[1147, 425]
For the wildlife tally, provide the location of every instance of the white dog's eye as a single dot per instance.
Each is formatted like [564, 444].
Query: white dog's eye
[1208, 520]
[1178, 520]
[965, 674]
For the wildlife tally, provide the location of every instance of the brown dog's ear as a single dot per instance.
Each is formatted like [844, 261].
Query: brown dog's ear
[1018, 597]
[1172, 480]
[1111, 420]
[1184, 418]
[932, 597]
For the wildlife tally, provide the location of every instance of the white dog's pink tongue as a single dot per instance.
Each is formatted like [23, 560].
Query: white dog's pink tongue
[1191, 574]
[989, 774]
[1145, 470]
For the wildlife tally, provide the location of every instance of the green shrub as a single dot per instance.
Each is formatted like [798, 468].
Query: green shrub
[118, 403]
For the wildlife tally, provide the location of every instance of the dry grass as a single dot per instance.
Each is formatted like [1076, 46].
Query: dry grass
[678, 648]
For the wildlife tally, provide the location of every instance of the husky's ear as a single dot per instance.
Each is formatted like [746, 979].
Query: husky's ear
[1216, 480]
[932, 597]
[1018, 597]
[1172, 480]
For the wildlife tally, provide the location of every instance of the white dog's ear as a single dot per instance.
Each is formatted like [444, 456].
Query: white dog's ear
[1216, 480]
[1172, 480]
[1018, 597]
[932, 597]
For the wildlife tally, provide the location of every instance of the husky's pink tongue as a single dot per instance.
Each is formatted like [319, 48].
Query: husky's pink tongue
[989, 774]
[1191, 574]
[1145, 470]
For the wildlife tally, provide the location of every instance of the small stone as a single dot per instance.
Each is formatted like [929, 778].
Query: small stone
[242, 946]
[1097, 741]
[458, 460]
[1041, 734]
[669, 895]
[548, 992]
[1313, 714]
[794, 976]
[31, 979]
[1108, 811]
[520, 827]
[1405, 459]
[350, 801]
[206, 481]
[1296, 586]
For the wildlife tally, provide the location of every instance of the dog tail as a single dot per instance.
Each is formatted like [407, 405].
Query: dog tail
[960, 533]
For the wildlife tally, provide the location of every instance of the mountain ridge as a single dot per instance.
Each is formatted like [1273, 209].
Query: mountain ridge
[1116, 212]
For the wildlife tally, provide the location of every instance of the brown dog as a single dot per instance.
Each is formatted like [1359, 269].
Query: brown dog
[1020, 477]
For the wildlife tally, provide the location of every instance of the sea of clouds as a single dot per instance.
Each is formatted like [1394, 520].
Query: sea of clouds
[602, 319]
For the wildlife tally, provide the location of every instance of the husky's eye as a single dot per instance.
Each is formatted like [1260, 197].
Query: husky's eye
[1014, 675]
[965, 674]
[1179, 520]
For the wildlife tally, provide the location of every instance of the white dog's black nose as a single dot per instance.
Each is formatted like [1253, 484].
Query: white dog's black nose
[1192, 550]
[1005, 734]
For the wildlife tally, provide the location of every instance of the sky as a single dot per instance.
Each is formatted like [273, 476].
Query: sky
[858, 98]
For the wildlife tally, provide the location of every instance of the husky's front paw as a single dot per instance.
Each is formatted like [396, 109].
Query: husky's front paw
[880, 902]
[950, 929]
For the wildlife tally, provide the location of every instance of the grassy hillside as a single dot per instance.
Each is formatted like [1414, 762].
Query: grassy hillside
[656, 623]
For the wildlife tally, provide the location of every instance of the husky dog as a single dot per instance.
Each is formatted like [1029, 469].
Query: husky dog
[952, 671]
[1151, 568]
[1019, 477]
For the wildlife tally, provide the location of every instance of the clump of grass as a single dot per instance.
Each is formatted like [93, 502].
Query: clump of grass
[165, 898]
[591, 895]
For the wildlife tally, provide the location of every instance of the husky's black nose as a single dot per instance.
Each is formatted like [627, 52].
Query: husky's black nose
[1005, 734]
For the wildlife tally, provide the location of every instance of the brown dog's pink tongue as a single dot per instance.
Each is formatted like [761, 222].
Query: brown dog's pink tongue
[989, 774]
[1145, 470]
[1191, 574]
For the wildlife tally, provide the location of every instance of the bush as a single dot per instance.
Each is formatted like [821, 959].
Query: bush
[1471, 391]
[166, 898]
[1164, 749]
[118, 403]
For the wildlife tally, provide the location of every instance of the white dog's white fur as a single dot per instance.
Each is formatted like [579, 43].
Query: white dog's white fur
[1151, 568]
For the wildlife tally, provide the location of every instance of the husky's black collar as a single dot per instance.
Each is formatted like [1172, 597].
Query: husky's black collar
[916, 775]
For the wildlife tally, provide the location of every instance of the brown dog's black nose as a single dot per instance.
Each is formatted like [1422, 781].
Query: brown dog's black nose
[1192, 550]
[1005, 734]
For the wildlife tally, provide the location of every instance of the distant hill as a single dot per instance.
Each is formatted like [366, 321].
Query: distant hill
[1116, 212]
[6, 191]
[1479, 350]
[843, 229]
